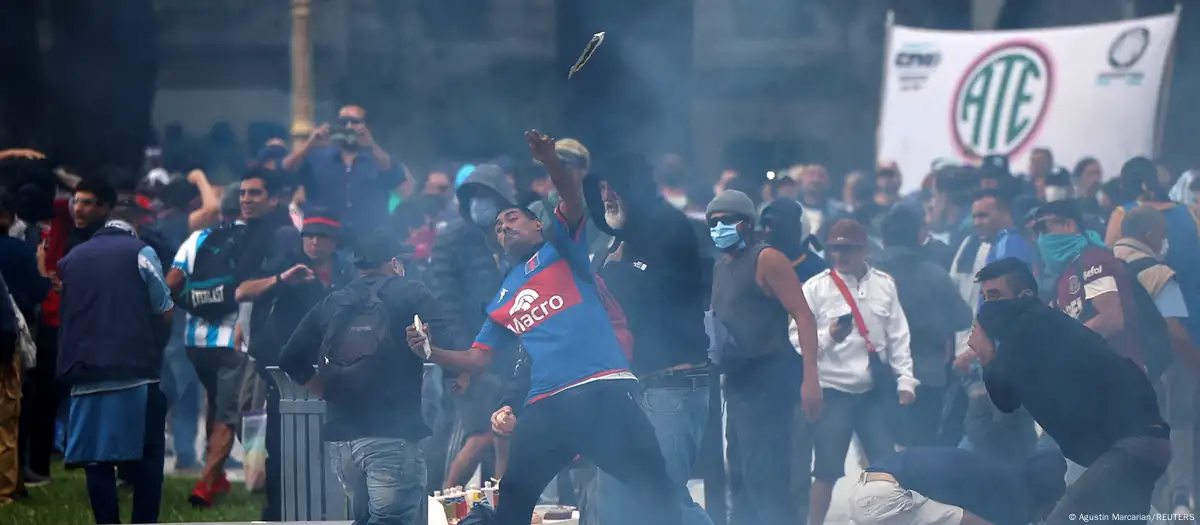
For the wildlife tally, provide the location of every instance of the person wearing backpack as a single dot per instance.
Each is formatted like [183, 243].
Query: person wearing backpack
[202, 281]
[1162, 314]
[371, 381]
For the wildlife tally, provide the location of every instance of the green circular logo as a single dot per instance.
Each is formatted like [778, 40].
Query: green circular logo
[1002, 100]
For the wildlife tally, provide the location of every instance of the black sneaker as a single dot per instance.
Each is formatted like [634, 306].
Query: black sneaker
[33, 479]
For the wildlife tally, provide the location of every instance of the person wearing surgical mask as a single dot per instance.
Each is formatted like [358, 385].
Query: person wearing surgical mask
[466, 267]
[755, 292]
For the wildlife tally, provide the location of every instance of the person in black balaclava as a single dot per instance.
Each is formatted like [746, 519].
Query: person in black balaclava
[786, 230]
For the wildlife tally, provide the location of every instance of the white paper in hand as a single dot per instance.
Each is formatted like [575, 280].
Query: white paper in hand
[421, 330]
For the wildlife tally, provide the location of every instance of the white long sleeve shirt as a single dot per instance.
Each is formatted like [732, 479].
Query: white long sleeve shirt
[845, 366]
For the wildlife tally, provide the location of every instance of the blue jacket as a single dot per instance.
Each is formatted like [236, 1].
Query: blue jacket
[110, 329]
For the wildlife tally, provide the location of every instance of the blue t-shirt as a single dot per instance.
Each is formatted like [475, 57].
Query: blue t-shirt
[557, 316]
[978, 484]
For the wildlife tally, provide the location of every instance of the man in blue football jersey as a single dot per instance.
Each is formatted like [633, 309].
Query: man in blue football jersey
[579, 400]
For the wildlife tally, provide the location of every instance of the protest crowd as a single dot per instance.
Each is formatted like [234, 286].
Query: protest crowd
[1007, 344]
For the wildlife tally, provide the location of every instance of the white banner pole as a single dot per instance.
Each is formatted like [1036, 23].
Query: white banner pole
[887, 68]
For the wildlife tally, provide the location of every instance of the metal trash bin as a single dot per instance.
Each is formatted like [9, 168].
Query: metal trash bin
[311, 491]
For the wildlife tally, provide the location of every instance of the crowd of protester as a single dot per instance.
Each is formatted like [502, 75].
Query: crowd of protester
[929, 323]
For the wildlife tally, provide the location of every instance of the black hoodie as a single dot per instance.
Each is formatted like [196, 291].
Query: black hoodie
[467, 266]
[660, 279]
[1081, 392]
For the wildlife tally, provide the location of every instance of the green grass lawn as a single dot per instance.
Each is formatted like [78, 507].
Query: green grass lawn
[65, 502]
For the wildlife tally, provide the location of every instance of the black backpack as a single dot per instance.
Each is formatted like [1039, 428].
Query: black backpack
[210, 290]
[1153, 337]
[353, 346]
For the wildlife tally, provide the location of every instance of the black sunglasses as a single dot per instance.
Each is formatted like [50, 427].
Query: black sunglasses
[346, 121]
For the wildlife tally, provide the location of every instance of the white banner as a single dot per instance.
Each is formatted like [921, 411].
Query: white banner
[1082, 91]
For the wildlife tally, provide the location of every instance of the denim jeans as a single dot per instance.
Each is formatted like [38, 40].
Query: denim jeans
[182, 388]
[384, 479]
[679, 416]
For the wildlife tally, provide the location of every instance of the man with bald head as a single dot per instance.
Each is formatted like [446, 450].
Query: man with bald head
[1142, 246]
[345, 170]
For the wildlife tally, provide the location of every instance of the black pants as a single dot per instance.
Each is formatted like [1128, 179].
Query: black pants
[39, 409]
[601, 421]
[760, 397]
[1118, 483]
[273, 510]
[843, 416]
[923, 418]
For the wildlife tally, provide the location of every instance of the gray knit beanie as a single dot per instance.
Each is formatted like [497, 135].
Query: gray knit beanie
[732, 202]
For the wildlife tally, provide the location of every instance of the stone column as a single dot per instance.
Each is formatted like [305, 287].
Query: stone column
[302, 82]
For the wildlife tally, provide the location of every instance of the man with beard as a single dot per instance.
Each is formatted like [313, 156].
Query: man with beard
[580, 400]
[655, 272]
[348, 169]
[755, 292]
[1106, 417]
[464, 273]
[74, 222]
[273, 277]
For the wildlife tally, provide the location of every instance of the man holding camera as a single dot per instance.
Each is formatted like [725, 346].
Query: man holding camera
[345, 168]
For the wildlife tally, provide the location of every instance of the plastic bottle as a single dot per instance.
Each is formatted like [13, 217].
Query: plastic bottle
[447, 504]
[462, 507]
[489, 494]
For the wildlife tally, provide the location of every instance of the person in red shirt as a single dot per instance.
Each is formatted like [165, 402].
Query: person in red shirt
[1091, 285]
[73, 222]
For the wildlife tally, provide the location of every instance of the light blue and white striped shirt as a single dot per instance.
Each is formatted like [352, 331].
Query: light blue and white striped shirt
[200, 333]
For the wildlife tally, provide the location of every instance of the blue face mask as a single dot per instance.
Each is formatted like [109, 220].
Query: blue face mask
[1059, 249]
[726, 236]
[484, 212]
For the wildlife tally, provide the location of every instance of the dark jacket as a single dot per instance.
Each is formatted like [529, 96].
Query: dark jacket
[659, 280]
[396, 411]
[466, 268]
[935, 310]
[18, 266]
[8, 328]
[1107, 397]
[272, 246]
[109, 330]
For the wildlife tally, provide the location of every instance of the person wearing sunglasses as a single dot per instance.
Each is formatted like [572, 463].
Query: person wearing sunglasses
[755, 292]
[1090, 284]
[345, 169]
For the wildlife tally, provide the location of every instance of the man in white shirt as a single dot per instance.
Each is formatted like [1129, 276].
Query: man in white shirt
[858, 314]
[221, 369]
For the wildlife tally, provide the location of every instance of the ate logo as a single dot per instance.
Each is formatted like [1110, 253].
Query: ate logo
[1002, 100]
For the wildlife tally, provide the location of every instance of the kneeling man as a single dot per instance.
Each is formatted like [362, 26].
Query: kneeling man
[952, 486]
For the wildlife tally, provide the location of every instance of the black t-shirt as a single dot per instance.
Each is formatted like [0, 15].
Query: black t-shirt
[277, 312]
[963, 478]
